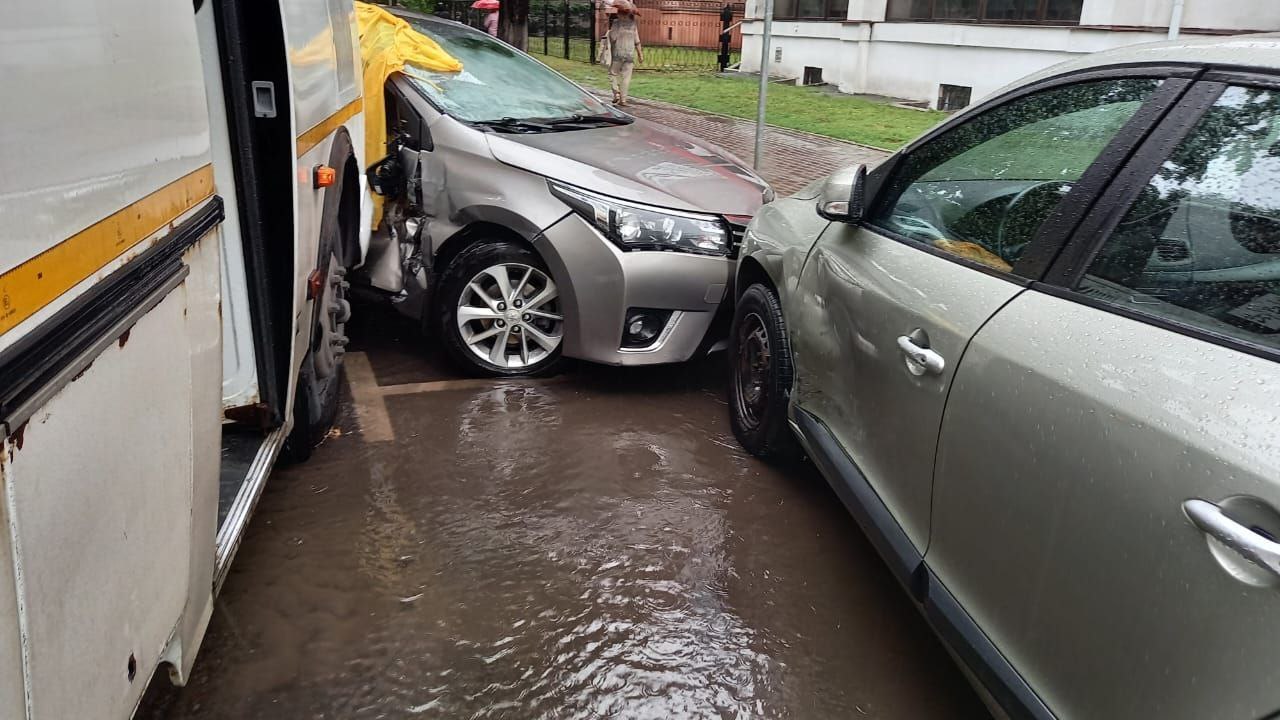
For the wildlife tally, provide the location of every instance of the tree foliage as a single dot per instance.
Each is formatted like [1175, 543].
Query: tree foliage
[422, 6]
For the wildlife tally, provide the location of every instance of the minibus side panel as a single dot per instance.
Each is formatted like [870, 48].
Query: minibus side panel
[103, 533]
[110, 354]
[100, 108]
[204, 344]
[323, 72]
[12, 691]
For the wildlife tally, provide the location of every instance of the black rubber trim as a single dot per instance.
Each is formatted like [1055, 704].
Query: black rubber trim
[1102, 218]
[251, 47]
[1057, 229]
[1254, 77]
[35, 359]
[860, 498]
[980, 655]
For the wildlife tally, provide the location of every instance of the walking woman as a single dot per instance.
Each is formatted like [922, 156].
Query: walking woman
[624, 49]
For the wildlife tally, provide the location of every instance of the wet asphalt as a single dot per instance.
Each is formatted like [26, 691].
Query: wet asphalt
[594, 544]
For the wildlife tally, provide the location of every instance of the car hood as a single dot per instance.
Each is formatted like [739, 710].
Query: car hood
[641, 162]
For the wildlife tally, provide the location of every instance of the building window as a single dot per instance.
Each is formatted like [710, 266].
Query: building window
[810, 9]
[1043, 12]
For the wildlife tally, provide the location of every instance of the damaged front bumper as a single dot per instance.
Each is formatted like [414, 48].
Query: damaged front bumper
[600, 284]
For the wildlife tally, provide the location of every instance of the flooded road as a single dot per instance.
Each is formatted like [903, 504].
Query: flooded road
[590, 545]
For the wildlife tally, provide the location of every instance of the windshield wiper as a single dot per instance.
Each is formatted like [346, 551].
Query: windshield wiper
[568, 122]
[516, 125]
[605, 119]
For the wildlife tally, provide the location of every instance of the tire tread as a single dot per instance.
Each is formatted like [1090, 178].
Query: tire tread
[772, 439]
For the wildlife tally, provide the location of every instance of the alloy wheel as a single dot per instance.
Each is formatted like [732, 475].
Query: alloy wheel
[509, 315]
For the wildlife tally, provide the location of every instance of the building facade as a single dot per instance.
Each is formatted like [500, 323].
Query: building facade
[948, 53]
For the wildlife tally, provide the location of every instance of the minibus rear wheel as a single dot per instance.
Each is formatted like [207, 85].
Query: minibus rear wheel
[315, 404]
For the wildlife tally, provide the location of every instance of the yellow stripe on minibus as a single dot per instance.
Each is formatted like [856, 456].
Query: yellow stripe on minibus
[27, 288]
[313, 137]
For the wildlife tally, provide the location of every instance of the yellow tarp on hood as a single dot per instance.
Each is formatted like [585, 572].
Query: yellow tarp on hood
[387, 44]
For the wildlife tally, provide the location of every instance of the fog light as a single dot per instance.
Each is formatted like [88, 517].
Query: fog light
[642, 327]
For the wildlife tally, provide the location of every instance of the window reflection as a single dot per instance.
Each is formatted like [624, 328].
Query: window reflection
[1201, 243]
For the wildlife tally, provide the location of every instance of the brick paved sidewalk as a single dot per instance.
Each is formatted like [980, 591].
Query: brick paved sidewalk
[792, 158]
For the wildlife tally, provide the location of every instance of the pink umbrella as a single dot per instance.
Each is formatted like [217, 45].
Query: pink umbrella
[484, 5]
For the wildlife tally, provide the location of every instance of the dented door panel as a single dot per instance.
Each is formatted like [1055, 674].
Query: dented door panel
[862, 293]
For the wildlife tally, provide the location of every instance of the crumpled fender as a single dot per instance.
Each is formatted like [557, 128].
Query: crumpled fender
[387, 44]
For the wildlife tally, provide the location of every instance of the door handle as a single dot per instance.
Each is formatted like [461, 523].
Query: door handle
[1252, 546]
[920, 360]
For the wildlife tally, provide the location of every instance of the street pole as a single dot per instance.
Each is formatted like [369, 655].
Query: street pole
[566, 29]
[764, 82]
[592, 57]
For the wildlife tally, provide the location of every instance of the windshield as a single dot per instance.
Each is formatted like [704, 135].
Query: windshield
[496, 81]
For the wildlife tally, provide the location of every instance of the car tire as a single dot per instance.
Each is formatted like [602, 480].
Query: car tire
[496, 327]
[760, 389]
[316, 399]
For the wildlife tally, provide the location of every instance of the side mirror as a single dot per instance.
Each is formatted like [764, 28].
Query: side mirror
[386, 177]
[843, 196]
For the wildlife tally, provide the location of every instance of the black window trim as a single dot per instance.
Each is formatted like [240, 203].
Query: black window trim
[1087, 240]
[1124, 187]
[980, 9]
[1052, 237]
[825, 17]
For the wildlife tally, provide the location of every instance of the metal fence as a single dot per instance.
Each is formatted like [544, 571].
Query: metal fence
[564, 29]
[460, 11]
[676, 34]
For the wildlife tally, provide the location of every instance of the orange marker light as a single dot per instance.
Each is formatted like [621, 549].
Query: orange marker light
[315, 283]
[324, 176]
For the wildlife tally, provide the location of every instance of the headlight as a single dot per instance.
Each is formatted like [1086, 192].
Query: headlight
[639, 227]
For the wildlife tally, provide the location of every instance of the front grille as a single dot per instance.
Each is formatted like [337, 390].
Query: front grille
[736, 233]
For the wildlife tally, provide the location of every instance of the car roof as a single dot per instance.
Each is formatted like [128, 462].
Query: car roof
[1259, 51]
[1255, 52]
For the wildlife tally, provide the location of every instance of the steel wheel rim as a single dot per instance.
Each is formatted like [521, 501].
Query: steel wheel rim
[751, 376]
[334, 311]
[509, 316]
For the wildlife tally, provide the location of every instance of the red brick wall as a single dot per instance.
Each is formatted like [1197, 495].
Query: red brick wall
[678, 24]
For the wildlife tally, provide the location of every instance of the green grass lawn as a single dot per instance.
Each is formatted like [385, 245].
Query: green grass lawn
[799, 108]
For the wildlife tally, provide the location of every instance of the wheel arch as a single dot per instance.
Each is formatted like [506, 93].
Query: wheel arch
[750, 272]
[341, 209]
[475, 232]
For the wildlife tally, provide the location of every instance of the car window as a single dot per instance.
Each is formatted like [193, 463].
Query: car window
[496, 81]
[1201, 243]
[982, 190]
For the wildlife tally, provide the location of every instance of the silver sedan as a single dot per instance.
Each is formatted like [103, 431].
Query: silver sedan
[526, 220]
